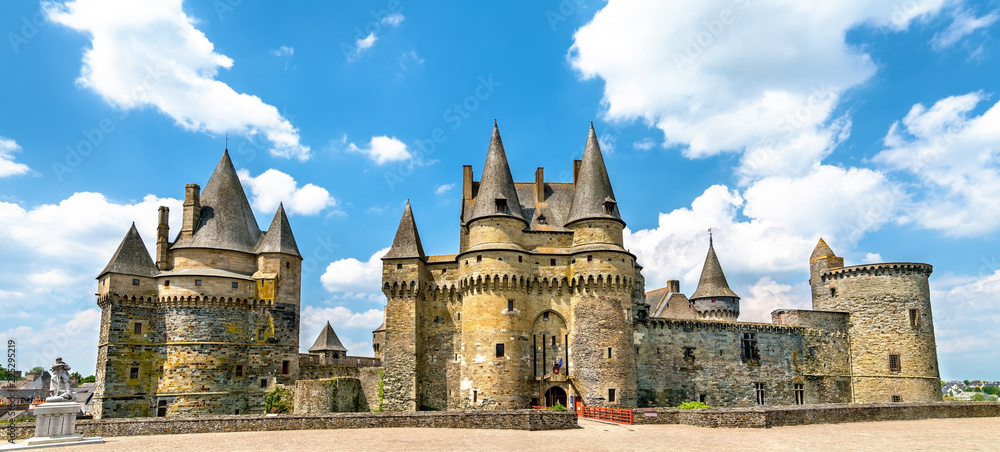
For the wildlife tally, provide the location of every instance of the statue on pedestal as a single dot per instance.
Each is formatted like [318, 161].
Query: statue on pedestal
[59, 387]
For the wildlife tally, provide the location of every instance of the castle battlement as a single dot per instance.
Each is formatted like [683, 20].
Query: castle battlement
[881, 269]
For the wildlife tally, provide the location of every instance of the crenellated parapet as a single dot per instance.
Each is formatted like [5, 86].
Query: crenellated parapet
[882, 269]
[108, 300]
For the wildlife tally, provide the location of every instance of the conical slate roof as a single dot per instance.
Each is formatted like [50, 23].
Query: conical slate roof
[593, 187]
[496, 183]
[131, 257]
[227, 222]
[822, 250]
[327, 341]
[713, 281]
[278, 238]
[406, 244]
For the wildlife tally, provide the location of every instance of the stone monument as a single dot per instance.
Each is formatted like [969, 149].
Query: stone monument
[55, 420]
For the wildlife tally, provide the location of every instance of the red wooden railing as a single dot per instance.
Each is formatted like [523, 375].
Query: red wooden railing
[619, 415]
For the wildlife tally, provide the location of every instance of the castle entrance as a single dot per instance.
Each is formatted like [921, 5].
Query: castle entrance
[555, 395]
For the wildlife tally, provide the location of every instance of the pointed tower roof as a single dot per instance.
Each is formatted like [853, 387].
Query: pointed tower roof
[593, 187]
[496, 183]
[713, 281]
[327, 341]
[822, 250]
[407, 241]
[278, 238]
[131, 257]
[227, 222]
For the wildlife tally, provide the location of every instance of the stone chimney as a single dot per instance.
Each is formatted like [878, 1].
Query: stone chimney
[674, 286]
[162, 231]
[576, 170]
[192, 210]
[540, 185]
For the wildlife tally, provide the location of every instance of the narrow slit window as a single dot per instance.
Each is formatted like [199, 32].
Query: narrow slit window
[800, 393]
[833, 293]
[475, 396]
[611, 395]
[284, 367]
[239, 371]
[510, 305]
[609, 353]
[914, 318]
[500, 351]
[138, 328]
[759, 391]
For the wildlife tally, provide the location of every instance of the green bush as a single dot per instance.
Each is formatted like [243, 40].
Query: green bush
[557, 407]
[693, 406]
[279, 400]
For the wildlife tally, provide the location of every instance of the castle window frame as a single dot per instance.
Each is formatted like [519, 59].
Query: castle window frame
[500, 352]
[590, 258]
[288, 265]
[799, 390]
[552, 262]
[609, 207]
[263, 383]
[133, 373]
[239, 370]
[284, 367]
[520, 259]
[914, 317]
[197, 282]
[236, 285]
[510, 305]
[611, 353]
[166, 283]
[475, 396]
[500, 204]
[479, 258]
[137, 328]
[749, 350]
[612, 395]
[758, 389]
[399, 266]
[833, 292]
[135, 281]
[896, 399]
[688, 353]
[895, 363]
[545, 315]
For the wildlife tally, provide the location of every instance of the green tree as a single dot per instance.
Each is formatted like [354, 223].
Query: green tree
[75, 375]
[5, 375]
[979, 398]
[36, 370]
[88, 379]
[966, 382]
[279, 400]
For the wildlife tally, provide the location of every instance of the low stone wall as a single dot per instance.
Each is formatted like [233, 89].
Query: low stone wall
[505, 420]
[766, 417]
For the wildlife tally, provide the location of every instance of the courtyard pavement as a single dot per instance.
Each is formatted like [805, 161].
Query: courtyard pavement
[933, 434]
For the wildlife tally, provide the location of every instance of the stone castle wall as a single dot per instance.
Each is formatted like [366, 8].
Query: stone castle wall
[692, 360]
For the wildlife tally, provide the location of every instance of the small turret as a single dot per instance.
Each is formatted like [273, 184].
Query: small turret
[713, 299]
[328, 344]
[822, 260]
[406, 244]
[593, 215]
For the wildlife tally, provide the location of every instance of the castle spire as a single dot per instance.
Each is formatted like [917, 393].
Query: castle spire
[131, 257]
[497, 195]
[406, 244]
[593, 197]
[713, 282]
[327, 341]
[822, 250]
[278, 238]
[226, 221]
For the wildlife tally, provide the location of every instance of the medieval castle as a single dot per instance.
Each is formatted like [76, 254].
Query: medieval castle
[541, 305]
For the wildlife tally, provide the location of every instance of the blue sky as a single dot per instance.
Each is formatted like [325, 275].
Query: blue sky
[876, 127]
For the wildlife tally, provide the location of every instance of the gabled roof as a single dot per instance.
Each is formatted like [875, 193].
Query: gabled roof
[406, 244]
[593, 187]
[327, 341]
[131, 257]
[713, 281]
[227, 222]
[822, 250]
[496, 183]
[278, 238]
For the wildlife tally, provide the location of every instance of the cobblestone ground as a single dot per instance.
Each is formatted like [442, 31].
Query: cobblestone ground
[934, 434]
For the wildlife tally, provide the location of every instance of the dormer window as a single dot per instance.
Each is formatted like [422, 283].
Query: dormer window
[501, 205]
[542, 220]
[609, 206]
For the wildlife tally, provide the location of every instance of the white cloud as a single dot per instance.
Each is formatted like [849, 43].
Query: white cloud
[644, 145]
[442, 189]
[362, 44]
[766, 295]
[757, 77]
[7, 165]
[955, 157]
[348, 325]
[72, 337]
[148, 53]
[383, 149]
[273, 187]
[772, 228]
[963, 24]
[351, 278]
[965, 319]
[284, 51]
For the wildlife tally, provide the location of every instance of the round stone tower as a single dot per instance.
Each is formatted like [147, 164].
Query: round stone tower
[496, 353]
[604, 279]
[893, 351]
[713, 299]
